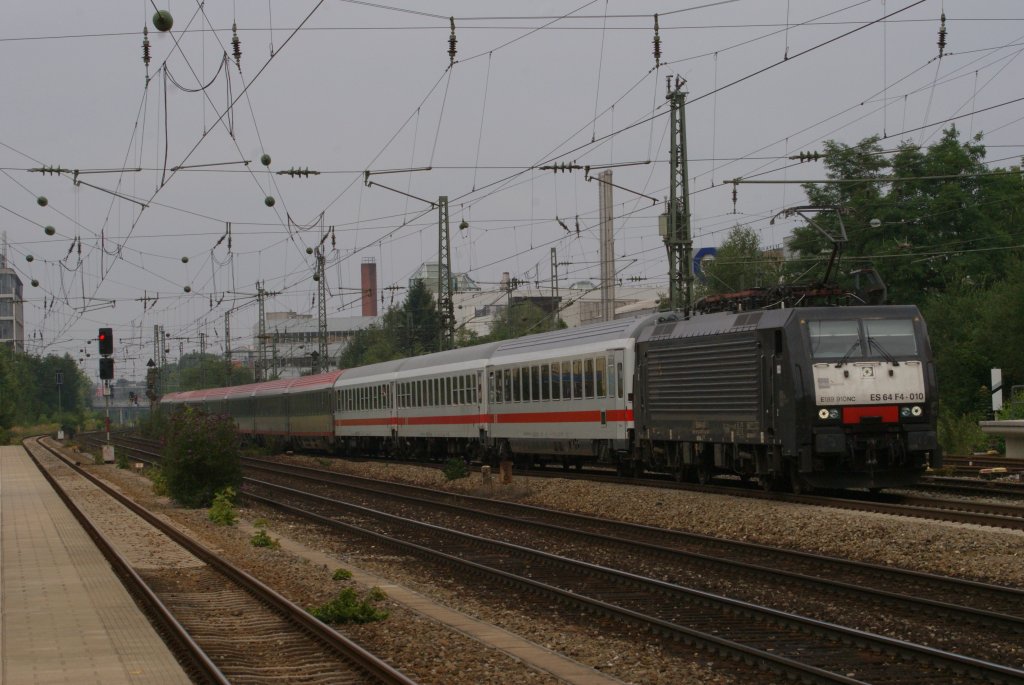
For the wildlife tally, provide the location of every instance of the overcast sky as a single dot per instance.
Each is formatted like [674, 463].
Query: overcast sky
[341, 87]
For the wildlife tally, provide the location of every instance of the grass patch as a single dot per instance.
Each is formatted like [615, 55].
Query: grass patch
[455, 468]
[121, 459]
[222, 512]
[261, 538]
[349, 607]
[156, 477]
[342, 574]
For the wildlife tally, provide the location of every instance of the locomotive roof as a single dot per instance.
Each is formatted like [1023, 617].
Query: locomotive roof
[674, 326]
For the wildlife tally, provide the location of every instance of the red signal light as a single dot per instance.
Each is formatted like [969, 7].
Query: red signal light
[106, 341]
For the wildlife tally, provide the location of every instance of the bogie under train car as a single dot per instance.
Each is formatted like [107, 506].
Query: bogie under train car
[828, 397]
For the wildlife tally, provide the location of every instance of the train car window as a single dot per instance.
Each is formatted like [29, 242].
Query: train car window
[778, 343]
[588, 378]
[491, 395]
[474, 390]
[556, 381]
[545, 381]
[566, 376]
[535, 383]
[890, 337]
[600, 376]
[577, 379]
[516, 384]
[524, 373]
[467, 382]
[830, 339]
[506, 384]
[621, 379]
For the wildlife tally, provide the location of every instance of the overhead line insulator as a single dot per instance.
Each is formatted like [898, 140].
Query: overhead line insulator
[145, 48]
[452, 40]
[236, 45]
[657, 43]
[942, 34]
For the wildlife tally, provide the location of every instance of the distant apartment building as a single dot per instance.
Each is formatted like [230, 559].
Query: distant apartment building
[292, 338]
[12, 307]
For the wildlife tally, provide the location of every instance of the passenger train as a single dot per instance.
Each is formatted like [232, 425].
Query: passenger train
[804, 397]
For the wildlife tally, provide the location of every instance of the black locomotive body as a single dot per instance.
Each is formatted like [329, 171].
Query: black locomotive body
[825, 397]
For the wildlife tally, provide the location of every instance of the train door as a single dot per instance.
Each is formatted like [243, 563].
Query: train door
[481, 406]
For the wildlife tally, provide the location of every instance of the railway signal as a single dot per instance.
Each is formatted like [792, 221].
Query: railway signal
[106, 368]
[106, 341]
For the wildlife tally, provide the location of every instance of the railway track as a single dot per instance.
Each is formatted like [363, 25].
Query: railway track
[941, 605]
[218, 618]
[783, 642]
[993, 514]
[974, 465]
[972, 487]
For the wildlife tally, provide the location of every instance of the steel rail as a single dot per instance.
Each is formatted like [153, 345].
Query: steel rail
[372, 665]
[954, 663]
[192, 657]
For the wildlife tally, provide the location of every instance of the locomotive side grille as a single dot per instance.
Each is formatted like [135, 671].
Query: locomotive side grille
[705, 376]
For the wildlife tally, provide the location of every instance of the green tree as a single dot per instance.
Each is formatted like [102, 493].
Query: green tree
[200, 456]
[417, 322]
[740, 263]
[523, 318]
[408, 330]
[974, 329]
[195, 371]
[942, 218]
[28, 389]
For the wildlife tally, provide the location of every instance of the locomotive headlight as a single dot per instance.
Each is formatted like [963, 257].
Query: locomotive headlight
[833, 413]
[823, 414]
[905, 412]
[916, 411]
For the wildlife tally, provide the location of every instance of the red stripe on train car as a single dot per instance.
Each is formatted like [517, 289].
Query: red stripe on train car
[888, 413]
[585, 416]
[387, 421]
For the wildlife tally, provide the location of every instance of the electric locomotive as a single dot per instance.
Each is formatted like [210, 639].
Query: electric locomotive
[807, 397]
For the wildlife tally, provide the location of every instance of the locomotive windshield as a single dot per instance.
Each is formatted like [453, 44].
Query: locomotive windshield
[856, 339]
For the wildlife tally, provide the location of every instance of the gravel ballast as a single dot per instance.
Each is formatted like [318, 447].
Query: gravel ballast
[433, 653]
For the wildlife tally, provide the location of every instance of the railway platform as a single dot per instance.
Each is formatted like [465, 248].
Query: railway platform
[64, 615]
